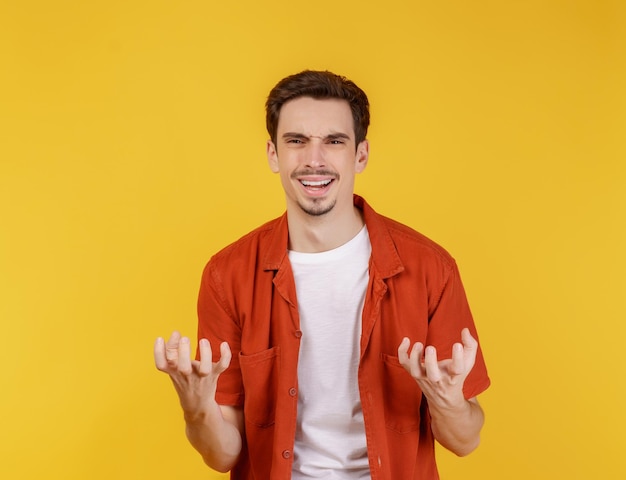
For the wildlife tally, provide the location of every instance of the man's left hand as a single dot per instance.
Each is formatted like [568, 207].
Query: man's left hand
[440, 380]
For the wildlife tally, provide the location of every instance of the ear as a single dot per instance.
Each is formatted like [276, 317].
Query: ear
[362, 156]
[272, 156]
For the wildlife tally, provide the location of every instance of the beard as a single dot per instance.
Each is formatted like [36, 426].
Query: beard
[317, 207]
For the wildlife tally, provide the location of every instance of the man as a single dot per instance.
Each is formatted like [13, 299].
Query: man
[313, 314]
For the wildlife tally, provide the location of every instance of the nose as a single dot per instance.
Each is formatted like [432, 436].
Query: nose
[315, 154]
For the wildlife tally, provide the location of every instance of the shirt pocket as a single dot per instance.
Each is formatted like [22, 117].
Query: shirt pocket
[259, 373]
[401, 396]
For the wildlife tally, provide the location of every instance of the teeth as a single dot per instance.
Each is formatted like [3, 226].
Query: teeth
[321, 183]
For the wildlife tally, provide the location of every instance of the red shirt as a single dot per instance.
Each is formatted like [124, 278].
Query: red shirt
[248, 298]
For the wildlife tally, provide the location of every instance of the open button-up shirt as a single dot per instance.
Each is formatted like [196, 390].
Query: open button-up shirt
[248, 299]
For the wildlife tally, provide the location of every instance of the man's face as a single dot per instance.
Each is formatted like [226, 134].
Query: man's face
[316, 155]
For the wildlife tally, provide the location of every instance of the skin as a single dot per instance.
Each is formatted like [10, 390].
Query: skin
[315, 142]
[455, 421]
[317, 159]
[215, 431]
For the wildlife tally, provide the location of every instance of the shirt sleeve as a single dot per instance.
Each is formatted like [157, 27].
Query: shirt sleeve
[218, 323]
[450, 315]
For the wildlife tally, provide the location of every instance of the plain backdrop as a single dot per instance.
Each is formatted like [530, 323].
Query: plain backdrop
[132, 148]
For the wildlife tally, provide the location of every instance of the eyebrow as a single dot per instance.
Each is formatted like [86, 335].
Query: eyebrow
[330, 136]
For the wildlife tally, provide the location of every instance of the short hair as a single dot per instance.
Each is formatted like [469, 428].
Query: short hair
[319, 85]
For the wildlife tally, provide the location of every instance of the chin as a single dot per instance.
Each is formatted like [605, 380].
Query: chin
[317, 208]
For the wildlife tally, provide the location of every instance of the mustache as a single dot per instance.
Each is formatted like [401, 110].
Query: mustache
[312, 172]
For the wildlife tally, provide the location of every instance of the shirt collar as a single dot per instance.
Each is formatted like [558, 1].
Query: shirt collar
[385, 257]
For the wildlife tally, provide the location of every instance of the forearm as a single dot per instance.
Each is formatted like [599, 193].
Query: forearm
[215, 434]
[458, 428]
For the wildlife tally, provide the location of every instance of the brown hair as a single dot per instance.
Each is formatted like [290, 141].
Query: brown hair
[319, 85]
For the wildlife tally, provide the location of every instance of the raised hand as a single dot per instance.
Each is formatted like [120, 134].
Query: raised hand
[195, 381]
[440, 380]
[455, 421]
[215, 431]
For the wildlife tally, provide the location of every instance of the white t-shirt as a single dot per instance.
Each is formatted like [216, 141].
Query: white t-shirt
[330, 436]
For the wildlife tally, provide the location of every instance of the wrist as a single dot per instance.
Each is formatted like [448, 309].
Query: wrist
[201, 415]
[452, 408]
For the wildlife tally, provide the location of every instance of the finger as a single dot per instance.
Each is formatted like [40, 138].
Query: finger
[470, 348]
[403, 352]
[159, 354]
[171, 349]
[206, 357]
[468, 340]
[417, 352]
[457, 366]
[430, 364]
[184, 356]
[225, 358]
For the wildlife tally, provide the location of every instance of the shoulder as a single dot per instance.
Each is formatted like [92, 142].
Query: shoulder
[410, 241]
[254, 250]
[247, 241]
[247, 244]
[396, 246]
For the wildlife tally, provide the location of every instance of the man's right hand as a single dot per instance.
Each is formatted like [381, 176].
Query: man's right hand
[214, 430]
[195, 381]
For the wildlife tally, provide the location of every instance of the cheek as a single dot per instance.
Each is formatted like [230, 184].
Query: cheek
[285, 179]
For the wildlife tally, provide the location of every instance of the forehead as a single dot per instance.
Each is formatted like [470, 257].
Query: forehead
[311, 116]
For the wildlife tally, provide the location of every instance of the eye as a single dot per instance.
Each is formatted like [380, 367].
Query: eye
[295, 141]
[336, 140]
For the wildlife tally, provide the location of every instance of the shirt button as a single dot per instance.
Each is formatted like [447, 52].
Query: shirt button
[298, 333]
[292, 392]
[286, 454]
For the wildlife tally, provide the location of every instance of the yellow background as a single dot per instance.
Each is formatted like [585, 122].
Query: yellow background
[132, 148]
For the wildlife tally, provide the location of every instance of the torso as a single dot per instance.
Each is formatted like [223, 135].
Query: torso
[330, 436]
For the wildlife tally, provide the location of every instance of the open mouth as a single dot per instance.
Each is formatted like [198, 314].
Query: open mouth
[316, 188]
[316, 185]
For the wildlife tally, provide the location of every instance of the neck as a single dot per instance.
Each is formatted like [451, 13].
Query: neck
[313, 234]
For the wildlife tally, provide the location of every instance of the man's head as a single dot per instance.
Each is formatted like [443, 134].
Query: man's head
[318, 85]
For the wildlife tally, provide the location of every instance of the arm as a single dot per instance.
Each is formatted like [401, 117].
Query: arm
[214, 431]
[456, 422]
